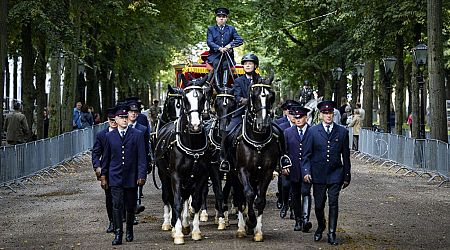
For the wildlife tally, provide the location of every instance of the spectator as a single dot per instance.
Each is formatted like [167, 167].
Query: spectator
[362, 112]
[154, 112]
[344, 104]
[409, 122]
[346, 118]
[356, 125]
[86, 117]
[16, 126]
[76, 121]
[46, 123]
[97, 119]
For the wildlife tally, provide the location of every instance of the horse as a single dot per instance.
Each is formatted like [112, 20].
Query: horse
[224, 104]
[182, 158]
[254, 158]
[172, 106]
[313, 113]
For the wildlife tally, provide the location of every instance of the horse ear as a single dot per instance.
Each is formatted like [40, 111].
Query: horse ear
[171, 90]
[184, 80]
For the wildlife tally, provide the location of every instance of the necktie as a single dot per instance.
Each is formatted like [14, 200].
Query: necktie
[300, 132]
[122, 133]
[328, 129]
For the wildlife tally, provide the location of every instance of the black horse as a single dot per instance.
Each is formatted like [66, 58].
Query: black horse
[224, 104]
[171, 111]
[182, 158]
[254, 157]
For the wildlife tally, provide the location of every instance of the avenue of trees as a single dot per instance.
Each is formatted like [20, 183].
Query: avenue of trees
[124, 45]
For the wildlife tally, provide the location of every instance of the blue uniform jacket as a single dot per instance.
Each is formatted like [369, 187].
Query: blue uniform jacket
[144, 130]
[330, 156]
[299, 152]
[216, 38]
[285, 125]
[124, 159]
[281, 120]
[98, 148]
[142, 119]
[241, 89]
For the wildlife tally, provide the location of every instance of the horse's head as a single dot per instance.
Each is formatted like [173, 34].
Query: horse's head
[194, 103]
[173, 103]
[262, 98]
[224, 104]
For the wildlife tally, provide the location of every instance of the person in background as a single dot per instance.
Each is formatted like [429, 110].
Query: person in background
[46, 123]
[356, 126]
[87, 119]
[16, 126]
[153, 114]
[76, 119]
[362, 112]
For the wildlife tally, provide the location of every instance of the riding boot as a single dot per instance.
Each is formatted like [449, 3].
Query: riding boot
[321, 225]
[283, 210]
[306, 210]
[216, 77]
[225, 78]
[110, 228]
[291, 205]
[118, 227]
[129, 233]
[298, 224]
[332, 224]
[279, 193]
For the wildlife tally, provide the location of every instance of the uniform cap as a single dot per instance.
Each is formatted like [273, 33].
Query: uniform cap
[288, 103]
[111, 113]
[133, 106]
[222, 11]
[326, 106]
[122, 111]
[298, 111]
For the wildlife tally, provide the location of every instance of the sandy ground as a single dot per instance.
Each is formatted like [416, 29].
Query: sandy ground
[380, 210]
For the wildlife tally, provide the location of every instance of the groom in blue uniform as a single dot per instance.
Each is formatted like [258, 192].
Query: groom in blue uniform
[221, 39]
[123, 170]
[329, 171]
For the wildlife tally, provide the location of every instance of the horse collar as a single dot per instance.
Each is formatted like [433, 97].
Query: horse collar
[196, 153]
[255, 144]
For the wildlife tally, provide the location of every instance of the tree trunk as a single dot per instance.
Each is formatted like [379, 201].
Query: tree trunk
[354, 85]
[15, 76]
[3, 49]
[399, 86]
[8, 81]
[41, 98]
[28, 90]
[438, 111]
[367, 105]
[54, 107]
[415, 108]
[68, 99]
[408, 83]
[383, 97]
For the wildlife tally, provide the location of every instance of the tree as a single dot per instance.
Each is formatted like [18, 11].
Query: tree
[3, 48]
[438, 112]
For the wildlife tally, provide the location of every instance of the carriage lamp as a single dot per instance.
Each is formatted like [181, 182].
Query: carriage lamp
[337, 73]
[389, 65]
[420, 57]
[360, 73]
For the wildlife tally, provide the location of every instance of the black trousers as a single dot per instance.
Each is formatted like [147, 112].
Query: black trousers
[299, 190]
[320, 197]
[124, 198]
[109, 204]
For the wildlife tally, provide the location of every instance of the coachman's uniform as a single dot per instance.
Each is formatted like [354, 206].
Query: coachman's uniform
[124, 163]
[329, 169]
[298, 144]
[97, 156]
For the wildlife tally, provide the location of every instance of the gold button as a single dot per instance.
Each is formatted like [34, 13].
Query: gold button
[328, 159]
[300, 158]
[328, 151]
[328, 156]
[123, 158]
[328, 142]
[123, 146]
[123, 152]
[300, 148]
[123, 163]
[300, 153]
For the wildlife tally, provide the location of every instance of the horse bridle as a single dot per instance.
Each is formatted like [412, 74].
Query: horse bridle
[252, 110]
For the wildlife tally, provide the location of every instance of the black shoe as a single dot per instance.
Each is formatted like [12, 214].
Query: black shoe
[306, 226]
[117, 238]
[139, 209]
[298, 224]
[110, 228]
[224, 166]
[306, 209]
[332, 239]
[318, 235]
[131, 219]
[279, 204]
[283, 211]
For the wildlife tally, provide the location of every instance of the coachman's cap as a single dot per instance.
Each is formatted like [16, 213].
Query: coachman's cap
[133, 106]
[122, 111]
[326, 106]
[222, 11]
[288, 103]
[298, 111]
[111, 113]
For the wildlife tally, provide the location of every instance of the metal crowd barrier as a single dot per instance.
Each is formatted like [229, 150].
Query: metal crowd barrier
[37, 158]
[419, 156]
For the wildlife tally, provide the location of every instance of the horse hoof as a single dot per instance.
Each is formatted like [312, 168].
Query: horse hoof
[222, 225]
[178, 240]
[166, 227]
[196, 236]
[186, 230]
[258, 238]
[240, 233]
[204, 216]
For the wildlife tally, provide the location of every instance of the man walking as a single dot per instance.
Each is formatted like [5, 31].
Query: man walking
[123, 170]
[329, 170]
[97, 157]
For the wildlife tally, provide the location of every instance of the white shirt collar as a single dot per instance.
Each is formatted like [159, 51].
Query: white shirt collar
[110, 129]
[325, 126]
[120, 130]
[303, 129]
